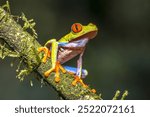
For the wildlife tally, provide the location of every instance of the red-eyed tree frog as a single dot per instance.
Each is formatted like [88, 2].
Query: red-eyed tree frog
[66, 48]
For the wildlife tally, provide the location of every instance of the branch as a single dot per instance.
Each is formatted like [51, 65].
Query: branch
[26, 45]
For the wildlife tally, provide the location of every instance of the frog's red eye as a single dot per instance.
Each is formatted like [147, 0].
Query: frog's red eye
[76, 27]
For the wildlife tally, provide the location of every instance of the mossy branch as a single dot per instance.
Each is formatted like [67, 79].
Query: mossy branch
[24, 46]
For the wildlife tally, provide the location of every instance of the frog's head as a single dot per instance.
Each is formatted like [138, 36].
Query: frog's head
[79, 31]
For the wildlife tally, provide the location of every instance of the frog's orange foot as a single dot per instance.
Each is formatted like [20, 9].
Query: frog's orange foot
[46, 53]
[57, 77]
[93, 90]
[78, 79]
[56, 69]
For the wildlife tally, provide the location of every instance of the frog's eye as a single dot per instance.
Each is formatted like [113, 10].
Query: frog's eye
[76, 27]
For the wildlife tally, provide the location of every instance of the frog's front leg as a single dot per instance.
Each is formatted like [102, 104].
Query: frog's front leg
[46, 53]
[56, 66]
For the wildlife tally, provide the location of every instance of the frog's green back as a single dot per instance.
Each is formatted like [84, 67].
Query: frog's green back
[88, 31]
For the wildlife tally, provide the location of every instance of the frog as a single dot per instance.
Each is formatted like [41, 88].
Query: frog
[66, 48]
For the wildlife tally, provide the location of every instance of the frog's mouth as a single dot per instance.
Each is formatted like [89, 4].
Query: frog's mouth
[89, 35]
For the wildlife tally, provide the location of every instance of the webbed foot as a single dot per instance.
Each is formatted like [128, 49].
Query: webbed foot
[56, 69]
[78, 79]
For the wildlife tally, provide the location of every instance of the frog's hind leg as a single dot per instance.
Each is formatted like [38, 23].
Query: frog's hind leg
[79, 72]
[73, 70]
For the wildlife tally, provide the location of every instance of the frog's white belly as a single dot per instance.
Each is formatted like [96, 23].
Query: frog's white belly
[70, 50]
[65, 55]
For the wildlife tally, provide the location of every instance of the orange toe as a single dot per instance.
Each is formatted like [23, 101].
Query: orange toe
[77, 79]
[44, 60]
[46, 74]
[93, 91]
[46, 53]
[57, 79]
[74, 82]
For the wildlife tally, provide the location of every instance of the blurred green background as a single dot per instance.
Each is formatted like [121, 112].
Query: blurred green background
[118, 58]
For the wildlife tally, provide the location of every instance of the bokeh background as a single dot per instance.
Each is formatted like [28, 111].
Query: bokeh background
[118, 58]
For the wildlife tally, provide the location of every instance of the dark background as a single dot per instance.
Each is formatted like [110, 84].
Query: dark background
[118, 58]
